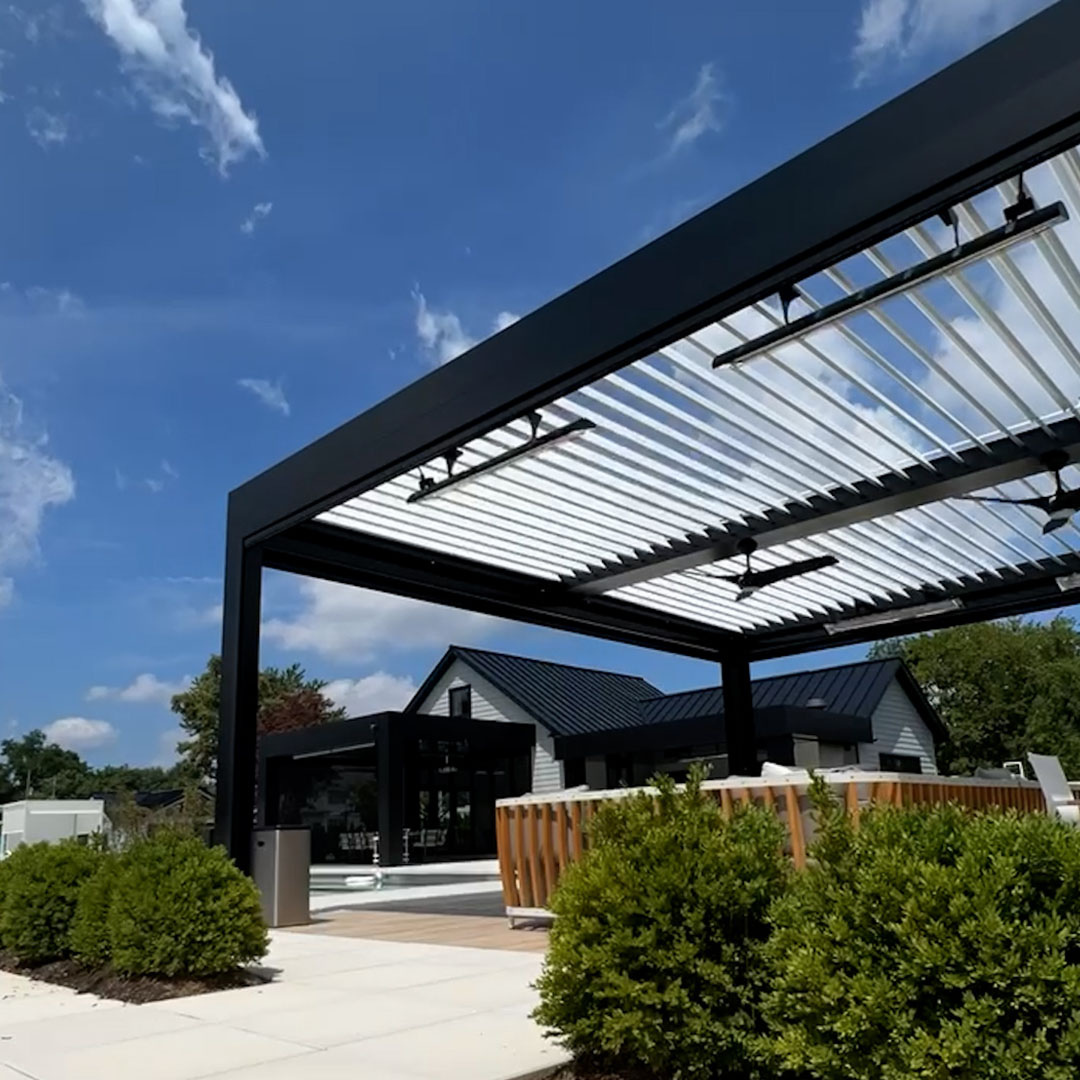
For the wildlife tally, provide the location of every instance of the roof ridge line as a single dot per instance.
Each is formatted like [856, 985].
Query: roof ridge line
[784, 675]
[551, 663]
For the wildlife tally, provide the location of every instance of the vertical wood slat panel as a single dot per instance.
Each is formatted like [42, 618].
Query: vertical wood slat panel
[524, 886]
[539, 893]
[506, 858]
[851, 800]
[794, 824]
[576, 839]
[561, 826]
[536, 841]
[547, 846]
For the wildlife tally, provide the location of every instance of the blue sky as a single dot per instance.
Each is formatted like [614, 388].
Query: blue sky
[225, 228]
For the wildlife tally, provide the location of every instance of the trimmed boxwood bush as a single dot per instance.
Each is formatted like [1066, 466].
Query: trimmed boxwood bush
[930, 944]
[89, 938]
[41, 888]
[181, 908]
[653, 961]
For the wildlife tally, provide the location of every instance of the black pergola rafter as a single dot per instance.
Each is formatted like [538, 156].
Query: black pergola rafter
[973, 469]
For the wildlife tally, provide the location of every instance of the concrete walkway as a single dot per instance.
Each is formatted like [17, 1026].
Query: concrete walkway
[339, 1009]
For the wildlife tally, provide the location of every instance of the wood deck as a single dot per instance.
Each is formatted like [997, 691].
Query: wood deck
[472, 931]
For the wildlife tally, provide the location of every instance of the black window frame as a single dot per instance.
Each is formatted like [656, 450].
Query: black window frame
[458, 694]
[901, 763]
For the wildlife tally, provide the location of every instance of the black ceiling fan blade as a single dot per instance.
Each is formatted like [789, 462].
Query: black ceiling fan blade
[760, 578]
[1040, 502]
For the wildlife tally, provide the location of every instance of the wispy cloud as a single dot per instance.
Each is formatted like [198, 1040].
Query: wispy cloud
[258, 212]
[442, 334]
[79, 733]
[47, 129]
[901, 30]
[271, 394]
[155, 484]
[145, 689]
[344, 623]
[703, 110]
[371, 693]
[175, 72]
[46, 22]
[31, 481]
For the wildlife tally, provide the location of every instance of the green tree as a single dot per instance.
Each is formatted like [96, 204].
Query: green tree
[1002, 689]
[288, 699]
[113, 779]
[36, 768]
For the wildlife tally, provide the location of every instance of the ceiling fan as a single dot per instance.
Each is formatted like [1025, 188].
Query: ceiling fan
[750, 580]
[1059, 507]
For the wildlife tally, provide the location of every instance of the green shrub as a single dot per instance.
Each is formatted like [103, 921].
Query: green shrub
[181, 908]
[89, 937]
[652, 959]
[930, 944]
[42, 883]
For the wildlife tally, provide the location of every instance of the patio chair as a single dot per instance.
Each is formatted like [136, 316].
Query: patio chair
[1055, 787]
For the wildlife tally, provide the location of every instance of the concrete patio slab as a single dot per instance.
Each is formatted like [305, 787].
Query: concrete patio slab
[362, 1016]
[203, 1050]
[498, 1045]
[339, 1008]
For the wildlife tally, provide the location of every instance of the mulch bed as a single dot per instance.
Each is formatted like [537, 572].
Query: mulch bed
[134, 989]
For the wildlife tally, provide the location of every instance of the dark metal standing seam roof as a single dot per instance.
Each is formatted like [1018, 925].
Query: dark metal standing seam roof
[566, 700]
[853, 690]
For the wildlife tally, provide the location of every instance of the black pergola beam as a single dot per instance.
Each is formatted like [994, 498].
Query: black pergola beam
[1033, 587]
[1003, 460]
[335, 554]
[1011, 103]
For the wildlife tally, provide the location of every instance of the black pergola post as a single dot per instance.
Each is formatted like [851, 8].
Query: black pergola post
[390, 776]
[739, 734]
[236, 764]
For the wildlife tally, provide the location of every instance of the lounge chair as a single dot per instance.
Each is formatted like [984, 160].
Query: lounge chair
[1055, 786]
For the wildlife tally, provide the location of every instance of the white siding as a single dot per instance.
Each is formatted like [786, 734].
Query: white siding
[490, 703]
[898, 729]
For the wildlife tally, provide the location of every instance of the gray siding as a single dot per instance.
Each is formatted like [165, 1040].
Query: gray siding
[898, 729]
[490, 703]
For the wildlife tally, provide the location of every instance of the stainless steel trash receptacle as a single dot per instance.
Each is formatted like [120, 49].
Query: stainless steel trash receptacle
[281, 867]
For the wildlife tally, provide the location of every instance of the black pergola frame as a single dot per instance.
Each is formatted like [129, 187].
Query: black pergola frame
[1004, 108]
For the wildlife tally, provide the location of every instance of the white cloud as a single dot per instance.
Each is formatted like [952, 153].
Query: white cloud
[79, 733]
[900, 30]
[175, 72]
[145, 689]
[701, 111]
[154, 484]
[166, 751]
[258, 212]
[271, 394]
[442, 334]
[47, 22]
[47, 129]
[31, 481]
[41, 300]
[343, 623]
[373, 693]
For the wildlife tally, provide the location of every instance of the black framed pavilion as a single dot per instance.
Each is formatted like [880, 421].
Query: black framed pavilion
[842, 403]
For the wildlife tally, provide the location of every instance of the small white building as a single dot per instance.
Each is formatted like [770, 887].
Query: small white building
[33, 820]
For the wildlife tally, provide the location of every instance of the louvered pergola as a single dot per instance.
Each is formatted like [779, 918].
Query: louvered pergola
[826, 365]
